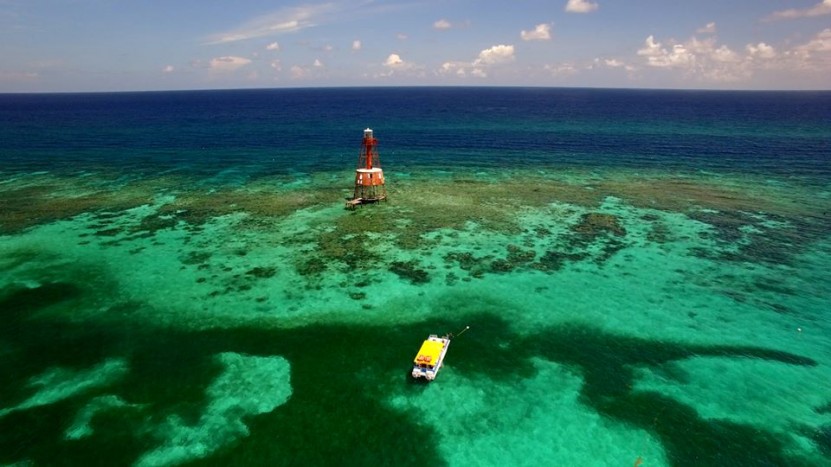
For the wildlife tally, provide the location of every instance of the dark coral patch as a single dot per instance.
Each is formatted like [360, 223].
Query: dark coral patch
[311, 267]
[195, 257]
[517, 255]
[112, 232]
[501, 266]
[554, 260]
[595, 223]
[261, 272]
[823, 440]
[411, 271]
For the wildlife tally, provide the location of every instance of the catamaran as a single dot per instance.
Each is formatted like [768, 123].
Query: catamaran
[430, 356]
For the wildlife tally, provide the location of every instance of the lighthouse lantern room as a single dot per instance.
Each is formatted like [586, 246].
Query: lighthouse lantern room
[369, 178]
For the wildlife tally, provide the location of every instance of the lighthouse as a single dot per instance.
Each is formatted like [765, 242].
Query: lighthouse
[369, 178]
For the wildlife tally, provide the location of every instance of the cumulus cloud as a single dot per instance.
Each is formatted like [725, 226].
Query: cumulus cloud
[495, 55]
[394, 64]
[282, 21]
[298, 72]
[459, 69]
[562, 69]
[356, 45]
[401, 36]
[820, 43]
[710, 28]
[652, 50]
[273, 46]
[393, 61]
[487, 58]
[822, 8]
[228, 63]
[706, 60]
[317, 63]
[541, 32]
[760, 50]
[613, 63]
[168, 69]
[276, 65]
[700, 59]
[581, 6]
[442, 24]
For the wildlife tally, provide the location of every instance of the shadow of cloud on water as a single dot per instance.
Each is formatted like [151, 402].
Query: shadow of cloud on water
[607, 364]
[341, 379]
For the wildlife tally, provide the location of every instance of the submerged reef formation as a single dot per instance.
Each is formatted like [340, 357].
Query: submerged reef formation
[140, 313]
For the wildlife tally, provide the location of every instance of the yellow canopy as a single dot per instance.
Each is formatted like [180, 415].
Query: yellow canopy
[429, 353]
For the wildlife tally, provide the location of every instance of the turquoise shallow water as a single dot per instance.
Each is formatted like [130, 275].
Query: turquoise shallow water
[231, 313]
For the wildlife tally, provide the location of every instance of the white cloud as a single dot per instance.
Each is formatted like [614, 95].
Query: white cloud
[394, 60]
[298, 72]
[698, 59]
[356, 45]
[581, 6]
[228, 63]
[812, 57]
[760, 50]
[724, 54]
[562, 69]
[282, 21]
[317, 63]
[705, 60]
[710, 28]
[487, 58]
[495, 55]
[823, 8]
[652, 50]
[276, 65]
[442, 24]
[401, 36]
[395, 65]
[820, 43]
[168, 69]
[273, 46]
[614, 63]
[457, 68]
[541, 32]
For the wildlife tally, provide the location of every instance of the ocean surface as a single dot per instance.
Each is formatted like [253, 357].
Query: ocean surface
[646, 276]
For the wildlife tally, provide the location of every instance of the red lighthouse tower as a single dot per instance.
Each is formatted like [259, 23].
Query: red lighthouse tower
[369, 178]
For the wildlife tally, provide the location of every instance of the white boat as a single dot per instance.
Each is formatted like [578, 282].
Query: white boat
[430, 357]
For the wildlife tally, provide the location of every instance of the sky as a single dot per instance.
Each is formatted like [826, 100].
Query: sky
[137, 45]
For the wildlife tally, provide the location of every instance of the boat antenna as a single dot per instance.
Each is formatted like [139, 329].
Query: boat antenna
[463, 331]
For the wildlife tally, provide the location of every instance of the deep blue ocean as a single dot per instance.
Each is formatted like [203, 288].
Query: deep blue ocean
[312, 129]
[646, 275]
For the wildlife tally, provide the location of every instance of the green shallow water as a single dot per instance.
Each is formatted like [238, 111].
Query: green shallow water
[615, 315]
